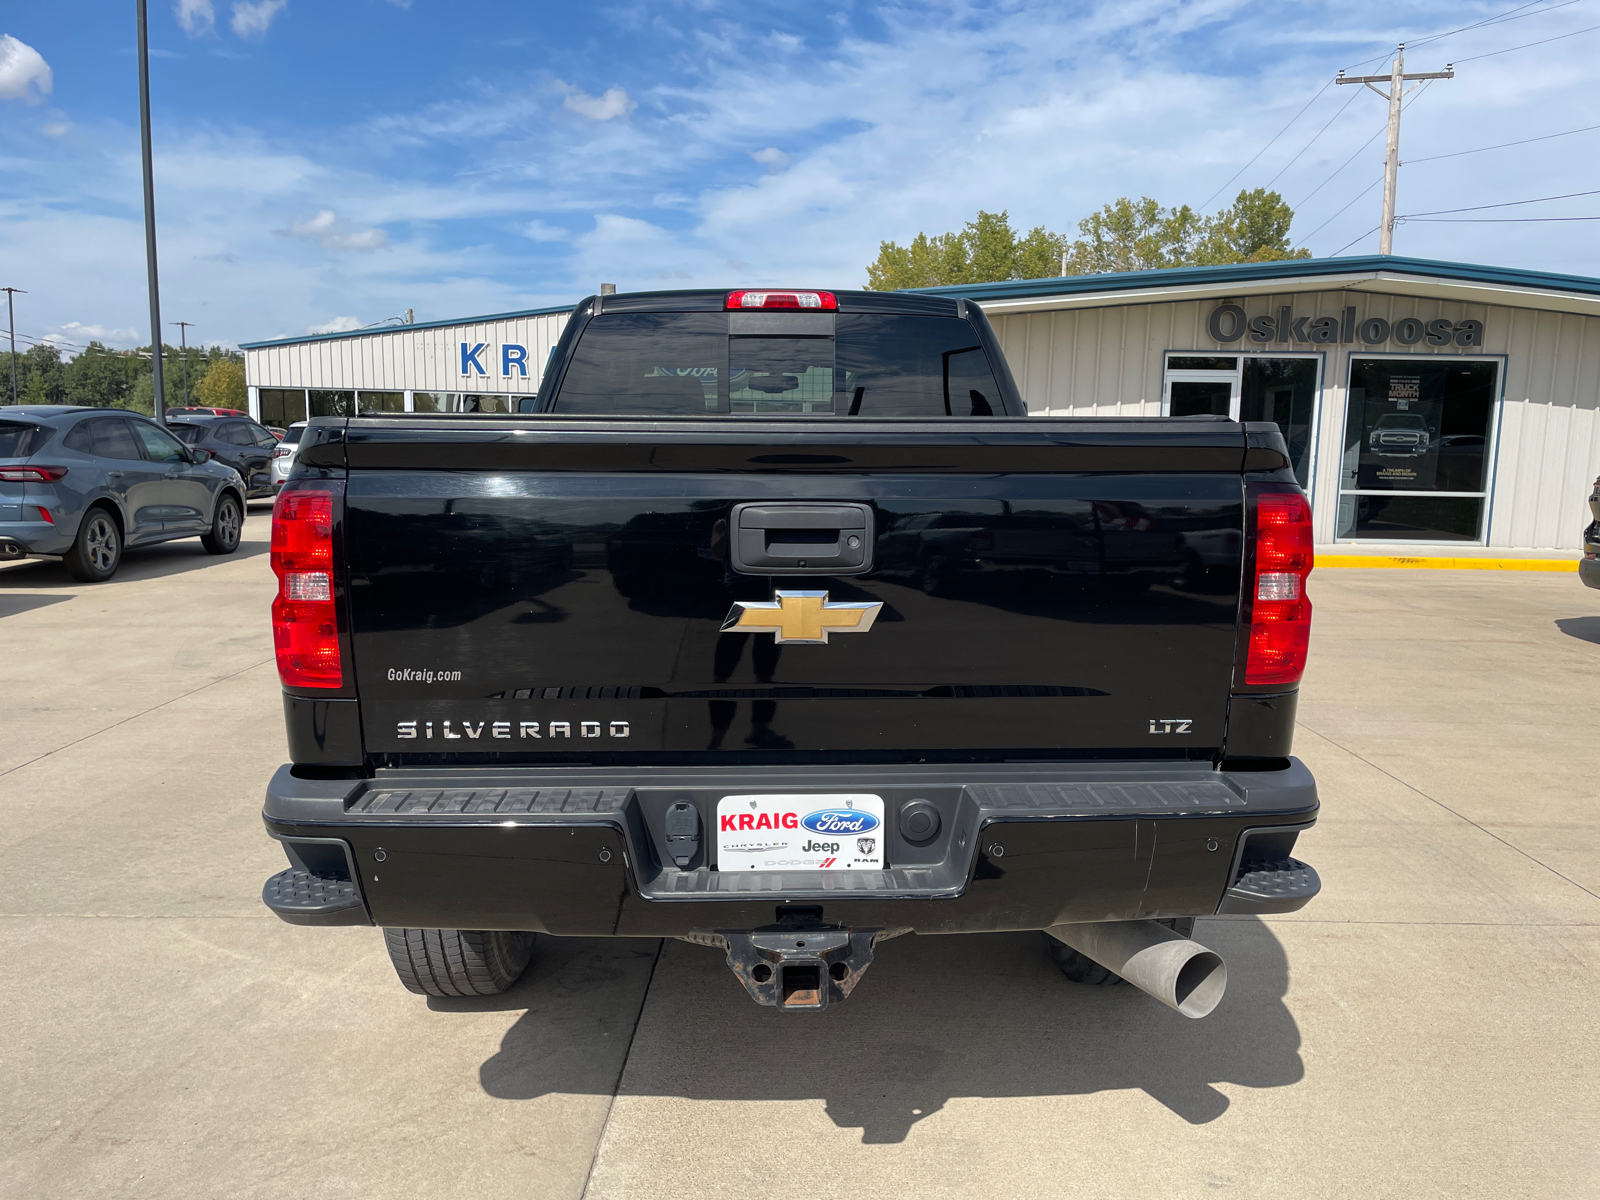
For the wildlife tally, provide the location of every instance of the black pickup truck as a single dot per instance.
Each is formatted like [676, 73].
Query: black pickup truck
[773, 623]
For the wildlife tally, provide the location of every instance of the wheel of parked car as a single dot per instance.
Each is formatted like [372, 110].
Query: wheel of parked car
[97, 549]
[226, 525]
[458, 962]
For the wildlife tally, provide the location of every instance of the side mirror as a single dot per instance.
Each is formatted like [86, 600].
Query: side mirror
[199, 456]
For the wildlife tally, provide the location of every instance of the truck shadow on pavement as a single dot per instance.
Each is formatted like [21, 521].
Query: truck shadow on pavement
[935, 1018]
[1585, 628]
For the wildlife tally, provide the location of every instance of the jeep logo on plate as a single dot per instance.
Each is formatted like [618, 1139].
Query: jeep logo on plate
[839, 820]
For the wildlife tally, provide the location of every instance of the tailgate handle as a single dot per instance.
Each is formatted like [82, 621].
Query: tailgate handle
[802, 538]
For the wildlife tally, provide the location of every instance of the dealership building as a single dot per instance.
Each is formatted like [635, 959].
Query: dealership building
[1430, 408]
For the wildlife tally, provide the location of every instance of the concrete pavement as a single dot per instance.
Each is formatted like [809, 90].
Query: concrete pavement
[1427, 1028]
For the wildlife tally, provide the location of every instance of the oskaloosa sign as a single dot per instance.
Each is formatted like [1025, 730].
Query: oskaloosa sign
[1230, 323]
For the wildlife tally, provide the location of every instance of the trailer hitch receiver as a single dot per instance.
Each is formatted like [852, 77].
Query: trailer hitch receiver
[798, 967]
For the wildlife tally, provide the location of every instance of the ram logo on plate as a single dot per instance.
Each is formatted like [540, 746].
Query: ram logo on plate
[799, 833]
[840, 821]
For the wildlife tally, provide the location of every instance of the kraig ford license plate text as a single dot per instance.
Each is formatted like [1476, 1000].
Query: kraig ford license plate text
[800, 833]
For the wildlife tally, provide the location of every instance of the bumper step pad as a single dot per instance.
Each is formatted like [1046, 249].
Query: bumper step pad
[1271, 887]
[302, 898]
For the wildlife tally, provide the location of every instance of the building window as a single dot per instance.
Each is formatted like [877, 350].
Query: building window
[368, 402]
[1249, 387]
[1416, 449]
[282, 406]
[461, 402]
[332, 404]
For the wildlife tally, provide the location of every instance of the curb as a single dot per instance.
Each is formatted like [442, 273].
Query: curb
[1448, 564]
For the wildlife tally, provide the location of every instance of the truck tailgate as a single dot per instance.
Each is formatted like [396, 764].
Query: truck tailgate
[555, 590]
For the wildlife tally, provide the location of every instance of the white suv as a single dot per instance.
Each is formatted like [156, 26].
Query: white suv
[283, 454]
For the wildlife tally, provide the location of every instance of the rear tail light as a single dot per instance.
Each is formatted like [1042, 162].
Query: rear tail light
[305, 625]
[815, 300]
[44, 514]
[31, 474]
[1280, 613]
[280, 451]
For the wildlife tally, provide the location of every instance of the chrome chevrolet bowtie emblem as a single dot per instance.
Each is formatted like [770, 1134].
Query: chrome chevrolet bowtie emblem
[804, 617]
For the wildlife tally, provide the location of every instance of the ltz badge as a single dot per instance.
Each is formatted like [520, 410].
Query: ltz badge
[806, 618]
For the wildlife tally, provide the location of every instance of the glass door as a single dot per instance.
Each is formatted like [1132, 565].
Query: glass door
[1199, 385]
[1249, 387]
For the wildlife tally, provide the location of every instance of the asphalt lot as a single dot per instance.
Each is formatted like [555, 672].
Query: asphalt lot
[1428, 1027]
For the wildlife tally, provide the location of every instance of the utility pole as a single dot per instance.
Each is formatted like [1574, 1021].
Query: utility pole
[11, 319]
[183, 345]
[157, 383]
[1396, 79]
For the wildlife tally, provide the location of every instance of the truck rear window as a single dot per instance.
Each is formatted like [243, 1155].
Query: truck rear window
[691, 364]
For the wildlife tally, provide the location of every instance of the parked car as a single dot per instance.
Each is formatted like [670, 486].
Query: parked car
[481, 752]
[240, 442]
[1589, 564]
[84, 483]
[193, 411]
[275, 431]
[283, 453]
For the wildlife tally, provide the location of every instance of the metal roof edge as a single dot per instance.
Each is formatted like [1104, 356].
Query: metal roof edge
[1511, 278]
[351, 333]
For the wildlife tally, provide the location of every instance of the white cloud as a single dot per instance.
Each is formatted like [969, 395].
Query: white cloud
[771, 158]
[57, 128]
[24, 74]
[337, 325]
[252, 20]
[334, 233]
[76, 333]
[540, 232]
[614, 103]
[195, 17]
[401, 3]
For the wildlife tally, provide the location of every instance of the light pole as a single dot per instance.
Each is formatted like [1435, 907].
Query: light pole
[183, 348]
[157, 385]
[11, 321]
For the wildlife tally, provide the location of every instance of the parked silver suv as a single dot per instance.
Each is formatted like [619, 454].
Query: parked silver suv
[283, 454]
[84, 483]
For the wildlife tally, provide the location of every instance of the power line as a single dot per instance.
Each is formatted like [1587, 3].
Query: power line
[1501, 19]
[1497, 19]
[1340, 213]
[1268, 146]
[1347, 245]
[1500, 146]
[1490, 220]
[1525, 45]
[1507, 204]
[1314, 137]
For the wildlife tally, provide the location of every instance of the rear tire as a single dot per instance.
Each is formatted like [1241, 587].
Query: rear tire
[1080, 968]
[97, 550]
[227, 525]
[458, 962]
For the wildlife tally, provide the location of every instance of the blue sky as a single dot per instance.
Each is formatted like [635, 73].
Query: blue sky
[327, 165]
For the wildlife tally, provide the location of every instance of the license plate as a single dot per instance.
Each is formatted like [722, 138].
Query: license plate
[800, 833]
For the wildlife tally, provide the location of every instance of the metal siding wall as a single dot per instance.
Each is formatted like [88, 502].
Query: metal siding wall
[1108, 362]
[423, 360]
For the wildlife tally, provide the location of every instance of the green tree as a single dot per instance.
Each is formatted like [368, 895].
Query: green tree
[103, 378]
[1125, 235]
[1134, 235]
[1255, 228]
[40, 375]
[985, 250]
[223, 386]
